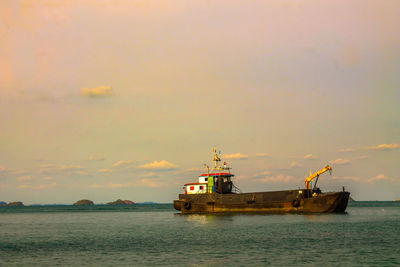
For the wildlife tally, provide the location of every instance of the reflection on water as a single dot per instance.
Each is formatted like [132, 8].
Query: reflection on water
[270, 218]
[324, 217]
[207, 218]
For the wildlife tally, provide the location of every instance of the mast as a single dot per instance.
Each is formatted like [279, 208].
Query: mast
[216, 159]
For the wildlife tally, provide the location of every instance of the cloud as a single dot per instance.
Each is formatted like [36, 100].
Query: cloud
[309, 156]
[71, 167]
[36, 187]
[339, 161]
[150, 175]
[67, 169]
[48, 178]
[43, 186]
[122, 163]
[351, 178]
[112, 185]
[47, 165]
[280, 178]
[2, 169]
[264, 173]
[362, 157]
[294, 165]
[100, 91]
[158, 165]
[235, 156]
[385, 147]
[24, 178]
[347, 150]
[379, 178]
[261, 155]
[104, 170]
[93, 158]
[61, 167]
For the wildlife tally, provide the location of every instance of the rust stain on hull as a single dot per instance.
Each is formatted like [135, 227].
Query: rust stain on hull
[287, 201]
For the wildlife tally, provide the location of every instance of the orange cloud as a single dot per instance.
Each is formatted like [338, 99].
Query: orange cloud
[68, 169]
[351, 178]
[278, 178]
[309, 156]
[383, 147]
[158, 165]
[36, 187]
[379, 178]
[294, 165]
[93, 158]
[100, 91]
[122, 163]
[339, 161]
[235, 156]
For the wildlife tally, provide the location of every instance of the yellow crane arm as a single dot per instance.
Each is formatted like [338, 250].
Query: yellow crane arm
[318, 173]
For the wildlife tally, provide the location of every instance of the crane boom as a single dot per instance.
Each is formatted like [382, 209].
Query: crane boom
[317, 174]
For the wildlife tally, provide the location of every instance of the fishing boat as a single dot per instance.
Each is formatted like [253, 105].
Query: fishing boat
[215, 192]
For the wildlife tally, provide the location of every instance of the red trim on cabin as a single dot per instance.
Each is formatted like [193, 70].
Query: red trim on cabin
[217, 174]
[194, 184]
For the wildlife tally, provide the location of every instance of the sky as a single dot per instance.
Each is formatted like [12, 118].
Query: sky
[117, 99]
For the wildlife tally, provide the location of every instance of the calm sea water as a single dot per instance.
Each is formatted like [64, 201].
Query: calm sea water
[149, 235]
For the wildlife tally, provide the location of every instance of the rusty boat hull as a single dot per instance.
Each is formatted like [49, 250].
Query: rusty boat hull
[288, 201]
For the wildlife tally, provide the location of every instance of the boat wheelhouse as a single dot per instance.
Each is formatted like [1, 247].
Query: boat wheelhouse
[218, 181]
[209, 183]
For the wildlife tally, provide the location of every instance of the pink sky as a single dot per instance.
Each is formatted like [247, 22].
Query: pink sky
[91, 93]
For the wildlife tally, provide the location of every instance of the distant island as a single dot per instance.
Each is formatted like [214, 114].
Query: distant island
[121, 202]
[83, 202]
[12, 204]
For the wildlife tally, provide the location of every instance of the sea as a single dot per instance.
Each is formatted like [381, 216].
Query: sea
[368, 234]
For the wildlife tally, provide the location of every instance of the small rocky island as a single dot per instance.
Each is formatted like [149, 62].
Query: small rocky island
[121, 202]
[12, 204]
[83, 202]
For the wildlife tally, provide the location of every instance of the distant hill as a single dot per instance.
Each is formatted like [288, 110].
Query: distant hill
[351, 199]
[16, 204]
[2, 203]
[83, 202]
[121, 202]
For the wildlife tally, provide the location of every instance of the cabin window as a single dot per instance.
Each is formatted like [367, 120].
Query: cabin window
[192, 188]
[206, 179]
[201, 187]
